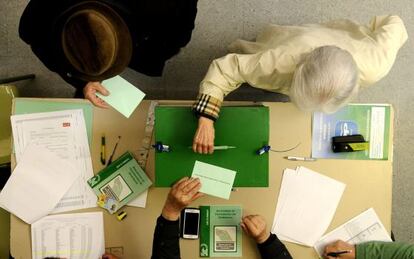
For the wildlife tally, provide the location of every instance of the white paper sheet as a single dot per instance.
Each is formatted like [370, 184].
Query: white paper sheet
[307, 206]
[140, 200]
[287, 180]
[64, 134]
[37, 184]
[363, 228]
[74, 236]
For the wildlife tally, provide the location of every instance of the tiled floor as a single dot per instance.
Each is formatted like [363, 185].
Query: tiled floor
[219, 23]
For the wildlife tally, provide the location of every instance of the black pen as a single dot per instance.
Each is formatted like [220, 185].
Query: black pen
[336, 254]
[113, 152]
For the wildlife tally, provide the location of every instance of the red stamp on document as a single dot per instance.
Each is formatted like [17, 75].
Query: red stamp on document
[66, 124]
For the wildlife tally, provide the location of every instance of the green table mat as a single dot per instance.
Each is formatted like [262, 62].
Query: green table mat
[247, 128]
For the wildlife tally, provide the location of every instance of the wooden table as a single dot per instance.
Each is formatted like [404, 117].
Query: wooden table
[368, 184]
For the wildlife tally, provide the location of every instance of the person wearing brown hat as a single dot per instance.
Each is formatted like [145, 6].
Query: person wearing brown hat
[86, 42]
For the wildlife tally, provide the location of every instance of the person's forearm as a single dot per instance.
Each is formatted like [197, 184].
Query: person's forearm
[272, 248]
[389, 250]
[166, 240]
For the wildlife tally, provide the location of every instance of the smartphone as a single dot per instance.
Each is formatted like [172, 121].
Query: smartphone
[190, 222]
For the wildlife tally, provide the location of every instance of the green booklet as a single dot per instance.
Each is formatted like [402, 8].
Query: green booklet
[122, 181]
[220, 231]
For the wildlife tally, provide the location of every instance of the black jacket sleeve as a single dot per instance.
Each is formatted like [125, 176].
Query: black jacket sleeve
[165, 244]
[272, 248]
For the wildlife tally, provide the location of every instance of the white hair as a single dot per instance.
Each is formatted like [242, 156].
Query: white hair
[325, 80]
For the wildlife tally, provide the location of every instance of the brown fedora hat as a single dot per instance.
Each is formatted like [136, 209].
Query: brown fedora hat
[95, 41]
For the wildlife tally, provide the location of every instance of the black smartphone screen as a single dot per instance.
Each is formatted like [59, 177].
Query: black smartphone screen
[191, 223]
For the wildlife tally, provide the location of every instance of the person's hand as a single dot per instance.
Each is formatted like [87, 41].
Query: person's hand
[89, 92]
[255, 227]
[340, 246]
[109, 256]
[203, 142]
[184, 192]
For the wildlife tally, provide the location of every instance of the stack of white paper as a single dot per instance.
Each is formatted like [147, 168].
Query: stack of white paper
[64, 134]
[363, 228]
[37, 184]
[75, 236]
[306, 205]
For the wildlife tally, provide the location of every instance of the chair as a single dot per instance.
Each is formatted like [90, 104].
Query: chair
[7, 93]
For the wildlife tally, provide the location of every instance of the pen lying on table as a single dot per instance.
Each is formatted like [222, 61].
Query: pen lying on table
[221, 147]
[297, 158]
[103, 151]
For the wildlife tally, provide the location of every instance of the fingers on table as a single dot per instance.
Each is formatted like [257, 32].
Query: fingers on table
[258, 222]
[250, 225]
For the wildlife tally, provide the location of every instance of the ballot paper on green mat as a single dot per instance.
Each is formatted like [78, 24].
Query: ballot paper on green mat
[246, 128]
[215, 180]
[124, 96]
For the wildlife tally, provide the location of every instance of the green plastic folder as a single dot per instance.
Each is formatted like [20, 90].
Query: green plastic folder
[24, 106]
[247, 128]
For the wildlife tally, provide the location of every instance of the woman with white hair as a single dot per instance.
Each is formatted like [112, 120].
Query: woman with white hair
[320, 66]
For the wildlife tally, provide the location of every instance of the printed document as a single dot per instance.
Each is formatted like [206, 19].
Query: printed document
[74, 236]
[306, 205]
[37, 184]
[363, 228]
[64, 134]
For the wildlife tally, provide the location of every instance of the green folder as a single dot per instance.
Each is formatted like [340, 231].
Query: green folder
[247, 128]
[24, 106]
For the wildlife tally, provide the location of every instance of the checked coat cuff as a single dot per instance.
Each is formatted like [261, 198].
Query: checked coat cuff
[207, 106]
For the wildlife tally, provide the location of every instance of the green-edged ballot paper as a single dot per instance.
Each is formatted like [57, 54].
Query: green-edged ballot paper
[122, 181]
[220, 231]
